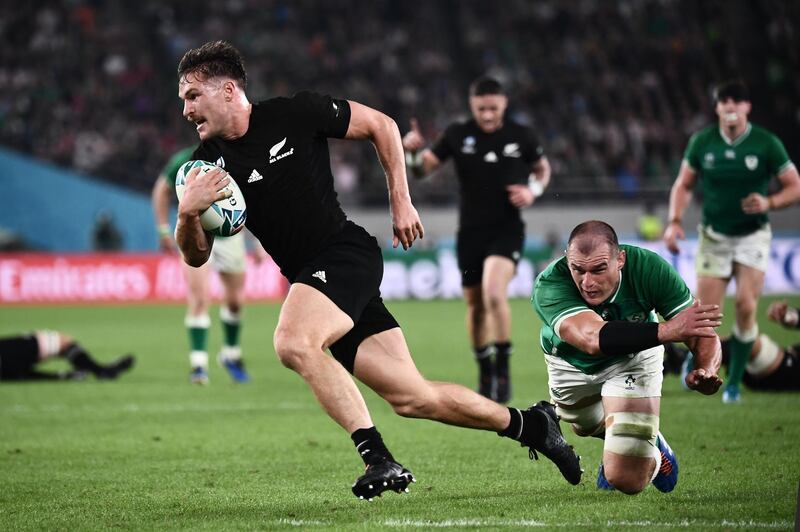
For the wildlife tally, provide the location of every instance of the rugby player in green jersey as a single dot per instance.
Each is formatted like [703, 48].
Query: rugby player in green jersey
[603, 347]
[733, 161]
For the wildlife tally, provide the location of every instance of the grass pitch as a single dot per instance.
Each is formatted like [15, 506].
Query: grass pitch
[150, 451]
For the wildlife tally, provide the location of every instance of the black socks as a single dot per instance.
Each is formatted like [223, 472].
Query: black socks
[526, 426]
[81, 360]
[502, 351]
[370, 446]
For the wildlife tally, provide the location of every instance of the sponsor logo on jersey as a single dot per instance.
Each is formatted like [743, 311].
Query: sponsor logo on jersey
[512, 150]
[469, 145]
[273, 152]
[751, 162]
[490, 157]
[730, 154]
[220, 162]
[254, 176]
[630, 380]
[321, 276]
[708, 160]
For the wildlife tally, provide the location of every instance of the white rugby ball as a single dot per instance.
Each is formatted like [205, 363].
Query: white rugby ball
[225, 217]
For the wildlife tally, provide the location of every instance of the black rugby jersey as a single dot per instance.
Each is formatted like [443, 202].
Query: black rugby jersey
[485, 164]
[283, 167]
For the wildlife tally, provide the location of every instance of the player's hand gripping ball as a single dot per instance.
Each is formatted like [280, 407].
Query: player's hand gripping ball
[225, 217]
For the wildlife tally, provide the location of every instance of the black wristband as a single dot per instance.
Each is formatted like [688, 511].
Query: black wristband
[625, 337]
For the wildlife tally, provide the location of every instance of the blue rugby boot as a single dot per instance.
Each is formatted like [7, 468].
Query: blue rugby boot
[234, 365]
[199, 375]
[731, 395]
[602, 481]
[667, 476]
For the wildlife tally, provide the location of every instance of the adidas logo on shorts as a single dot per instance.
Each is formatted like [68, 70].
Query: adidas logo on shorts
[321, 276]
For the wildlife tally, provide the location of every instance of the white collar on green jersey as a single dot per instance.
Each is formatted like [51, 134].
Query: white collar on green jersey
[618, 288]
[738, 140]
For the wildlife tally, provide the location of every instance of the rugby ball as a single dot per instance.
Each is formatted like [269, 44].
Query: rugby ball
[225, 217]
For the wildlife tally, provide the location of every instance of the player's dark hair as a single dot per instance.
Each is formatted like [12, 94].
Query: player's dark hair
[485, 85]
[596, 231]
[214, 59]
[735, 89]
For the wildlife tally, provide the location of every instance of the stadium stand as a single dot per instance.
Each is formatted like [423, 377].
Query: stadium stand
[614, 88]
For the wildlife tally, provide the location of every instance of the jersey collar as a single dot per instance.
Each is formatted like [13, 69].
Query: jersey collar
[738, 140]
[619, 286]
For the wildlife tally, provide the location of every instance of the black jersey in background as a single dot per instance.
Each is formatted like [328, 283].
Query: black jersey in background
[485, 164]
[283, 167]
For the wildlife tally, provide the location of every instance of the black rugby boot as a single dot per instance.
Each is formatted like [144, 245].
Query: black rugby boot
[382, 476]
[541, 432]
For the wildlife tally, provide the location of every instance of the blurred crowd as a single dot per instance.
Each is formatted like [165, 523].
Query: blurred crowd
[613, 88]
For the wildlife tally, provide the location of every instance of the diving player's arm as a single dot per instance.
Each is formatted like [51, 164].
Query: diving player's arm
[201, 191]
[788, 195]
[679, 198]
[588, 332]
[160, 201]
[705, 378]
[419, 159]
[382, 131]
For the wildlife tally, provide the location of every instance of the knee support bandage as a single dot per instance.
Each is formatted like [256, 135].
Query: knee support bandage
[631, 433]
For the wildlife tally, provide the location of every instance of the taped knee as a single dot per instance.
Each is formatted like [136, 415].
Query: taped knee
[765, 358]
[585, 421]
[631, 434]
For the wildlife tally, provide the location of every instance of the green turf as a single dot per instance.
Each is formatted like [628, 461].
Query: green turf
[151, 452]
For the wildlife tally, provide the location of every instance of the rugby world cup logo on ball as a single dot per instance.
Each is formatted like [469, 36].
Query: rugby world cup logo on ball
[225, 217]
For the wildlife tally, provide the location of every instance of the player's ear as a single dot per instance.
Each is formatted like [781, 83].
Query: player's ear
[621, 259]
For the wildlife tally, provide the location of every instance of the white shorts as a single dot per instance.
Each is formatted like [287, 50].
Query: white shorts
[229, 254]
[716, 252]
[640, 375]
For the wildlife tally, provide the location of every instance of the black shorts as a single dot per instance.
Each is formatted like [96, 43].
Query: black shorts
[785, 377]
[349, 270]
[18, 356]
[474, 245]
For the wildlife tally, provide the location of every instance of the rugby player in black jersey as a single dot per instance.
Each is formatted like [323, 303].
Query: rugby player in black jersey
[501, 168]
[277, 152]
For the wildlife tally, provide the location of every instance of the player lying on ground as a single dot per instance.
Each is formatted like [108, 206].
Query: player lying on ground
[769, 367]
[603, 348]
[19, 356]
[277, 152]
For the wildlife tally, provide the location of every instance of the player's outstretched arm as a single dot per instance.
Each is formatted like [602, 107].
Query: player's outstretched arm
[696, 321]
[589, 333]
[705, 378]
[367, 123]
[202, 189]
[679, 198]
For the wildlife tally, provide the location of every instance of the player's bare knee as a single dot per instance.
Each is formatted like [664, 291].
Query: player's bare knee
[629, 482]
[493, 299]
[414, 405]
[293, 350]
[585, 421]
[746, 308]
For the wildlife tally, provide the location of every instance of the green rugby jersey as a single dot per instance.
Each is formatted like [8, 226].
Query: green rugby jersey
[648, 285]
[170, 170]
[730, 170]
